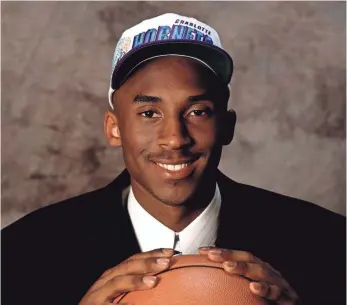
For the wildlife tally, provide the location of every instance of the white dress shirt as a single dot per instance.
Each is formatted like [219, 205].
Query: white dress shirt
[152, 234]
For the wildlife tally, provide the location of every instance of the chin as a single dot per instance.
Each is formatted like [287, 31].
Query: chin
[174, 194]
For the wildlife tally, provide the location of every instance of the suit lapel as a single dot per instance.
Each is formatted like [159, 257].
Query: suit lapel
[233, 231]
[116, 234]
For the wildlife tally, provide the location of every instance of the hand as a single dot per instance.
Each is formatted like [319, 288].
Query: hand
[132, 274]
[266, 281]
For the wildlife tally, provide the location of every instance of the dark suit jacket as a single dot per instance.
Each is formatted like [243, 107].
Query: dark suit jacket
[53, 255]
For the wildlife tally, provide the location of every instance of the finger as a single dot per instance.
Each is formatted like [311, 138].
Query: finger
[162, 252]
[141, 266]
[150, 265]
[220, 255]
[253, 271]
[120, 284]
[270, 292]
[239, 268]
[282, 296]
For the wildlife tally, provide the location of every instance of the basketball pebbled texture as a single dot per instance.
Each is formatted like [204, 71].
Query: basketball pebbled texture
[195, 280]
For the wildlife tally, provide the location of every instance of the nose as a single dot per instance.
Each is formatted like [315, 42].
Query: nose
[173, 134]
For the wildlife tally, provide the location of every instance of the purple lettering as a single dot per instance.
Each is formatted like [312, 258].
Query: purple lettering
[188, 33]
[138, 39]
[208, 39]
[150, 35]
[163, 32]
[199, 35]
[177, 32]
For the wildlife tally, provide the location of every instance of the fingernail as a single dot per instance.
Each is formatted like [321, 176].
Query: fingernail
[257, 286]
[163, 261]
[149, 280]
[167, 251]
[216, 251]
[230, 265]
[205, 248]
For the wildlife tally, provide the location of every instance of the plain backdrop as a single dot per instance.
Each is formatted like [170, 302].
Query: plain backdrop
[288, 90]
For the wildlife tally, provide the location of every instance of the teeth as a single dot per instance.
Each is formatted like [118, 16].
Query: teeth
[172, 167]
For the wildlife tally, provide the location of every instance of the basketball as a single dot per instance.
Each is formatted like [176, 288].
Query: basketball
[194, 280]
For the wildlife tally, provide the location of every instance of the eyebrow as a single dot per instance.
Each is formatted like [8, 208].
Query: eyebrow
[146, 99]
[155, 99]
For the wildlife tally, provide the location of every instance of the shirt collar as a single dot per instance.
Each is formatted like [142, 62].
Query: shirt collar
[152, 234]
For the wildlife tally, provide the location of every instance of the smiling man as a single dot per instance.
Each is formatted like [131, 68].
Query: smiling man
[169, 118]
[168, 111]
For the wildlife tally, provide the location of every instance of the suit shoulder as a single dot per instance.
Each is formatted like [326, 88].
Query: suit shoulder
[298, 208]
[56, 217]
[283, 207]
[274, 197]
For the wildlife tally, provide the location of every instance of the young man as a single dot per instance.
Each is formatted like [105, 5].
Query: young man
[168, 111]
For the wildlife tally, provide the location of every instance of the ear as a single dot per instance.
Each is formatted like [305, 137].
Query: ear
[111, 129]
[228, 127]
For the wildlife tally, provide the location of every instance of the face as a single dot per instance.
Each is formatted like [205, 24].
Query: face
[170, 121]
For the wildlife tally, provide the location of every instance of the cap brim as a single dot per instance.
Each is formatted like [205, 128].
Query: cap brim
[214, 57]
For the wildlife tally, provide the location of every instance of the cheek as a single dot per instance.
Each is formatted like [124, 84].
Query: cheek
[136, 137]
[205, 135]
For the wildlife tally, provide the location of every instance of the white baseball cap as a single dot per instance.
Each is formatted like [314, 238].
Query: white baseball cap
[168, 35]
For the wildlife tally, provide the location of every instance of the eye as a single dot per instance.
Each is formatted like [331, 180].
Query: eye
[199, 112]
[149, 114]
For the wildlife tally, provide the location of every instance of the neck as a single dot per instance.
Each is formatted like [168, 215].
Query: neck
[175, 217]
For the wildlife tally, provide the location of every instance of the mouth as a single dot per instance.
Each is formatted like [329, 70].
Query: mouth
[178, 169]
[173, 167]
